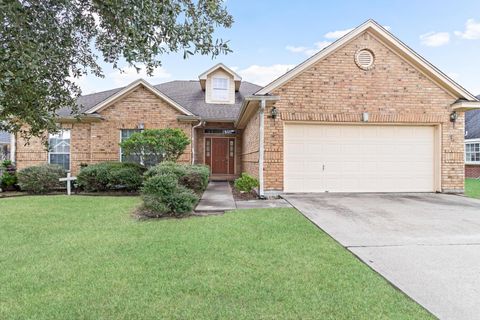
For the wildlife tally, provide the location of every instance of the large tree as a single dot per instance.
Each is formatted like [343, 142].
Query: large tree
[46, 44]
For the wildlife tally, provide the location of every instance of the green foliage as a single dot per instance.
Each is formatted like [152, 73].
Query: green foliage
[8, 175]
[194, 177]
[172, 189]
[111, 176]
[47, 45]
[41, 179]
[156, 145]
[246, 183]
[163, 196]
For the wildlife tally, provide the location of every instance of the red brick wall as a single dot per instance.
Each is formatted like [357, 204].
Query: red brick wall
[250, 147]
[472, 171]
[335, 89]
[99, 141]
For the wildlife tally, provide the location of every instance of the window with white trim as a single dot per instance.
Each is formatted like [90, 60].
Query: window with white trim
[220, 88]
[127, 133]
[472, 152]
[59, 148]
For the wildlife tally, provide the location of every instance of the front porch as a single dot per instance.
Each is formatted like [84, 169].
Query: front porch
[218, 145]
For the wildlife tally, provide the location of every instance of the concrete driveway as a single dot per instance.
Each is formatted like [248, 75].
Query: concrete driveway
[428, 245]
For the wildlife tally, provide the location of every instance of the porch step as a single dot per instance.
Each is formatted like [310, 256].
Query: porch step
[217, 198]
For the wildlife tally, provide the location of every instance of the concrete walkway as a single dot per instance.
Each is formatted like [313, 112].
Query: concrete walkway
[428, 245]
[217, 198]
[263, 204]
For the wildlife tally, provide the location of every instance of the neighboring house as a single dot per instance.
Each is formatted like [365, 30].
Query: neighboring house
[366, 114]
[472, 143]
[5, 145]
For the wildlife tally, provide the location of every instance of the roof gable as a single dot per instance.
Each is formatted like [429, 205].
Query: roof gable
[235, 76]
[121, 93]
[392, 42]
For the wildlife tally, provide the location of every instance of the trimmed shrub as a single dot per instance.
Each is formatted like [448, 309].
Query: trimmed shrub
[41, 179]
[163, 196]
[246, 183]
[111, 176]
[8, 175]
[194, 177]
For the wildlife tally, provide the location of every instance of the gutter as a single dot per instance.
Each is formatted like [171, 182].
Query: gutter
[261, 156]
[201, 123]
[13, 148]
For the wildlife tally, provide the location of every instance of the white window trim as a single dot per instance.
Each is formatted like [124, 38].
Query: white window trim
[227, 89]
[69, 153]
[471, 141]
[120, 148]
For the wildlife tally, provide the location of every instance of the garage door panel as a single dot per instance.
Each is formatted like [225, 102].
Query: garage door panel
[359, 158]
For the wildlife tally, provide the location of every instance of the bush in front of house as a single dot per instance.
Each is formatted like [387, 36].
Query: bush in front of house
[41, 179]
[173, 189]
[246, 183]
[8, 176]
[111, 176]
[156, 145]
[163, 196]
[194, 177]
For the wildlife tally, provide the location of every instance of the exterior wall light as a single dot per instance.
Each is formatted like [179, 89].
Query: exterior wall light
[141, 126]
[453, 116]
[274, 113]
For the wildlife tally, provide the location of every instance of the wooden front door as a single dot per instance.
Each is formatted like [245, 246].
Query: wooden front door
[219, 156]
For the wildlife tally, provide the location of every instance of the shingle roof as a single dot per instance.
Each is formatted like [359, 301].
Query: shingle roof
[472, 124]
[188, 94]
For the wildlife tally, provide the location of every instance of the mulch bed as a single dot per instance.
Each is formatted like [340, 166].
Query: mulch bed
[242, 196]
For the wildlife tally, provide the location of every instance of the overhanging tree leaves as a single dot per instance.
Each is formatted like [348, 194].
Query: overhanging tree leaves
[45, 44]
[156, 145]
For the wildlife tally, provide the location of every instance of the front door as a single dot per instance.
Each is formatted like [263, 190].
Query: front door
[219, 156]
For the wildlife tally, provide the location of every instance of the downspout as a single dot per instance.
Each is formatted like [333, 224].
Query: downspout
[201, 123]
[261, 156]
[13, 148]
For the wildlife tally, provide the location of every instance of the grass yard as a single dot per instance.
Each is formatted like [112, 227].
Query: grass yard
[86, 258]
[472, 188]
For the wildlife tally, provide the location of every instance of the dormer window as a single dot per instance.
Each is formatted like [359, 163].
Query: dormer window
[220, 88]
[220, 84]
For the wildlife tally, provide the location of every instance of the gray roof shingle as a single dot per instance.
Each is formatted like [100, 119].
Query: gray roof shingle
[188, 94]
[472, 124]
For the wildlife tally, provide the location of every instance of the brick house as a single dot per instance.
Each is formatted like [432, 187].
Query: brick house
[472, 143]
[366, 114]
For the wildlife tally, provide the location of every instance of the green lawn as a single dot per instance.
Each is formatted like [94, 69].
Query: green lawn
[472, 188]
[86, 258]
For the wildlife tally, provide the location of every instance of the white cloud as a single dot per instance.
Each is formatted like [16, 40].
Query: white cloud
[337, 34]
[296, 49]
[472, 30]
[130, 74]
[435, 39]
[309, 51]
[263, 75]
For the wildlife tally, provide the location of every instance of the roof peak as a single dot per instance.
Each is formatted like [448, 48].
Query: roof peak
[220, 65]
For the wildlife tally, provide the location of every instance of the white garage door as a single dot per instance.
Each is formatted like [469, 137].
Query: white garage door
[359, 158]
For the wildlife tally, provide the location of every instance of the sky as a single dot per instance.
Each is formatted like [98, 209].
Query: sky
[269, 37]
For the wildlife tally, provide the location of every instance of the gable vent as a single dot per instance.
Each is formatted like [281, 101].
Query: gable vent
[364, 58]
